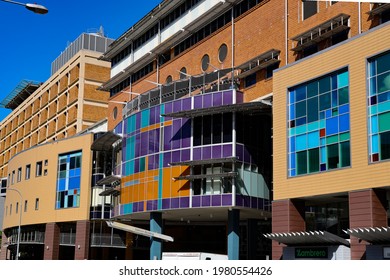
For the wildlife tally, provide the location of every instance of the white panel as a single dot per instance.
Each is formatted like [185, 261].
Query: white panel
[121, 66]
[146, 48]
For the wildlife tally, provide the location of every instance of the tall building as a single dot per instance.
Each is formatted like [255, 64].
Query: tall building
[45, 144]
[191, 109]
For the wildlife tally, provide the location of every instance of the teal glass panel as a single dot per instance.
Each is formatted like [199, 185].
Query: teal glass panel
[291, 132]
[301, 129]
[383, 107]
[384, 122]
[374, 109]
[131, 167]
[374, 124]
[342, 79]
[383, 82]
[343, 96]
[312, 89]
[313, 126]
[324, 84]
[142, 164]
[145, 116]
[344, 136]
[301, 162]
[332, 139]
[372, 86]
[322, 123]
[374, 144]
[323, 141]
[323, 154]
[383, 63]
[333, 156]
[301, 142]
[314, 160]
[312, 109]
[313, 139]
[335, 112]
[325, 101]
[345, 154]
[300, 109]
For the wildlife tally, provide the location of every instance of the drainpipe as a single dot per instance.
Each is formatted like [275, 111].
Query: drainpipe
[286, 27]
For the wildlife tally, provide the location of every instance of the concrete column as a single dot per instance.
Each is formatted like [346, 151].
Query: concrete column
[82, 240]
[367, 208]
[3, 248]
[52, 242]
[287, 216]
[233, 234]
[155, 244]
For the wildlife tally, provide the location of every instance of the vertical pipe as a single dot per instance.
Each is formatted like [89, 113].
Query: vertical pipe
[286, 28]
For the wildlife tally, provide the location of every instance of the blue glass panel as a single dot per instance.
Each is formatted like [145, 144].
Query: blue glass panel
[344, 123]
[328, 113]
[323, 155]
[372, 86]
[71, 173]
[375, 144]
[334, 82]
[312, 109]
[61, 184]
[74, 183]
[77, 171]
[292, 173]
[300, 121]
[325, 101]
[292, 112]
[372, 68]
[292, 161]
[374, 124]
[301, 142]
[323, 141]
[344, 109]
[334, 98]
[384, 97]
[342, 79]
[300, 93]
[322, 115]
[292, 144]
[292, 96]
[313, 139]
[332, 126]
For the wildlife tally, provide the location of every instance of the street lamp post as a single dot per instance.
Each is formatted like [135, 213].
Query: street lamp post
[36, 8]
[20, 221]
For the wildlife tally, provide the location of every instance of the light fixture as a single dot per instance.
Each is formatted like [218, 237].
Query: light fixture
[36, 8]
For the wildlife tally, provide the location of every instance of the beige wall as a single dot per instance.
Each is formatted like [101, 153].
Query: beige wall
[361, 175]
[44, 187]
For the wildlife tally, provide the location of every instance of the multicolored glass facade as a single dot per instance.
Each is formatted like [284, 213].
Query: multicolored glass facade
[379, 107]
[319, 125]
[153, 146]
[68, 180]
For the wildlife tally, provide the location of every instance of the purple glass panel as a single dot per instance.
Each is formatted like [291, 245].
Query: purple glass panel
[247, 155]
[152, 115]
[206, 153]
[158, 113]
[186, 105]
[196, 201]
[216, 200]
[227, 150]
[207, 100]
[176, 134]
[167, 138]
[227, 97]
[254, 202]
[175, 203]
[239, 97]
[151, 163]
[177, 106]
[247, 201]
[184, 202]
[144, 143]
[137, 145]
[123, 168]
[136, 166]
[125, 126]
[176, 156]
[157, 161]
[167, 159]
[217, 99]
[186, 133]
[227, 200]
[168, 108]
[149, 205]
[185, 154]
[166, 203]
[260, 203]
[118, 128]
[206, 200]
[198, 102]
[216, 151]
[240, 152]
[239, 200]
[197, 153]
[135, 207]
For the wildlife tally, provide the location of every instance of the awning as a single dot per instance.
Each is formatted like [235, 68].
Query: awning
[379, 8]
[260, 62]
[22, 91]
[139, 231]
[203, 161]
[108, 180]
[207, 176]
[307, 238]
[105, 142]
[371, 234]
[110, 191]
[322, 31]
[248, 107]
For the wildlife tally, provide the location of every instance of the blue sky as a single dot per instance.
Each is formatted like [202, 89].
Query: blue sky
[30, 42]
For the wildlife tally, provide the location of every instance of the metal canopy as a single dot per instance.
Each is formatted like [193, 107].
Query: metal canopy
[307, 238]
[105, 142]
[259, 62]
[139, 231]
[21, 92]
[322, 31]
[110, 191]
[381, 7]
[371, 234]
[205, 161]
[108, 180]
[249, 107]
[207, 176]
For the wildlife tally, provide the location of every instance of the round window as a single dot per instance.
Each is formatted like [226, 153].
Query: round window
[222, 52]
[205, 62]
[115, 113]
[183, 72]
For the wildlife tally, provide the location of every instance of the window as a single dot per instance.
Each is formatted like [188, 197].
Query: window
[38, 169]
[250, 80]
[205, 62]
[309, 8]
[19, 174]
[28, 171]
[222, 53]
[17, 208]
[214, 129]
[168, 80]
[37, 204]
[318, 125]
[115, 113]
[378, 107]
[13, 177]
[183, 72]
[46, 161]
[270, 70]
[25, 205]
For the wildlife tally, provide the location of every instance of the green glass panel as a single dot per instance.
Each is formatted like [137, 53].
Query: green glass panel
[312, 109]
[325, 101]
[383, 63]
[343, 95]
[314, 160]
[344, 136]
[335, 112]
[345, 154]
[142, 164]
[312, 89]
[300, 109]
[384, 122]
[383, 82]
[332, 139]
[385, 145]
[333, 156]
[302, 162]
[324, 84]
